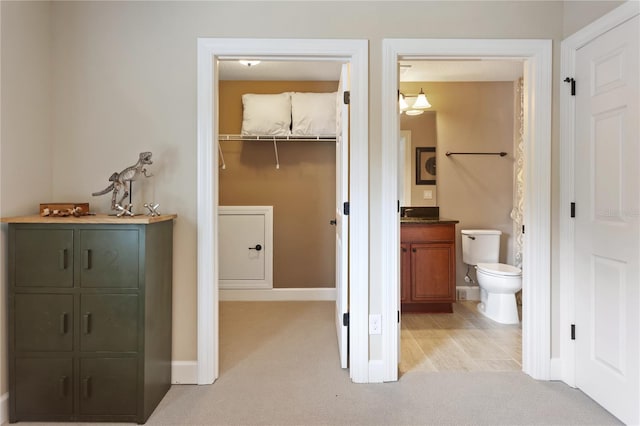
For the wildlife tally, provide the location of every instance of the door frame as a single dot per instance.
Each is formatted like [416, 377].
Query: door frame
[568, 49]
[537, 56]
[209, 51]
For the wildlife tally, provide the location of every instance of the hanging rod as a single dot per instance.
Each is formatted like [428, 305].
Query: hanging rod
[501, 154]
[290, 138]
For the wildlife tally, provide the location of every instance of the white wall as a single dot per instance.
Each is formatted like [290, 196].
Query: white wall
[124, 80]
[25, 127]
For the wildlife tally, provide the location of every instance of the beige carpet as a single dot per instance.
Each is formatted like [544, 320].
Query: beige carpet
[279, 366]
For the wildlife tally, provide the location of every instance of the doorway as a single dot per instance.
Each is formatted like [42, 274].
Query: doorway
[536, 55]
[209, 52]
[473, 117]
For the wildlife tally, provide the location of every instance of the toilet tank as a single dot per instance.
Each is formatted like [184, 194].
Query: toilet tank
[480, 246]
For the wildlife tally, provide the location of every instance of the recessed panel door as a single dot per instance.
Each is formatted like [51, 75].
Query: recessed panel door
[43, 258]
[244, 249]
[43, 388]
[108, 386]
[43, 322]
[607, 233]
[109, 258]
[109, 322]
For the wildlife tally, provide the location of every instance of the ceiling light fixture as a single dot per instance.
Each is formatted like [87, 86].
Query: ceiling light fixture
[248, 63]
[419, 105]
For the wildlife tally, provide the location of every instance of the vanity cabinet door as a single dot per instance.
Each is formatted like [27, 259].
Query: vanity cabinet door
[432, 272]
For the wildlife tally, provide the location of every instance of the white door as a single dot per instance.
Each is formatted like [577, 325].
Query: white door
[245, 247]
[342, 220]
[607, 236]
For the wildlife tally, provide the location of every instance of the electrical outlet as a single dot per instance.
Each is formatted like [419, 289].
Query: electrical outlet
[375, 324]
[462, 294]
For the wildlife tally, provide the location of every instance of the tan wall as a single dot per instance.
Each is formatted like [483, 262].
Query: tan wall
[25, 127]
[123, 80]
[423, 134]
[477, 190]
[302, 191]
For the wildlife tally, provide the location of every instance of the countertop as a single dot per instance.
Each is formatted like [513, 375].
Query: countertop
[89, 219]
[427, 221]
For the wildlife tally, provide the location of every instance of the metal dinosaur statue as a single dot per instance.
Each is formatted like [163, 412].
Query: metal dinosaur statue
[122, 181]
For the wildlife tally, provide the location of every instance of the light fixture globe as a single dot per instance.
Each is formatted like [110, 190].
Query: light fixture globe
[421, 101]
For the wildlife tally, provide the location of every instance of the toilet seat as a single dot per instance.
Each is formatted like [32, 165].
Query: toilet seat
[498, 269]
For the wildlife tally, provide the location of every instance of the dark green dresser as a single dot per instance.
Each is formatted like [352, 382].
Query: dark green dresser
[89, 317]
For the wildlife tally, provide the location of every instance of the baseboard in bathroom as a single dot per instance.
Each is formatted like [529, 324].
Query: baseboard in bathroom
[468, 293]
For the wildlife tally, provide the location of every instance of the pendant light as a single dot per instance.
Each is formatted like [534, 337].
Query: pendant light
[421, 102]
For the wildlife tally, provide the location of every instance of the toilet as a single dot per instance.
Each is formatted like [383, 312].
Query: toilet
[498, 282]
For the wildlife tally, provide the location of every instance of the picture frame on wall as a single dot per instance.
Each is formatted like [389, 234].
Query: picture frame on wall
[426, 165]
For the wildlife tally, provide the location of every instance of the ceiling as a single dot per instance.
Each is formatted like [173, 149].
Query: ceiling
[410, 71]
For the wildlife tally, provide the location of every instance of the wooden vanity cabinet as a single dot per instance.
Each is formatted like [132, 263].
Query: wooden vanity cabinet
[89, 319]
[428, 267]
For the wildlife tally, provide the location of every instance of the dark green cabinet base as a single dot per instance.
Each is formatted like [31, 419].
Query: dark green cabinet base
[89, 320]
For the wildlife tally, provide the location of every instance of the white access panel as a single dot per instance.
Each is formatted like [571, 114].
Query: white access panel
[245, 247]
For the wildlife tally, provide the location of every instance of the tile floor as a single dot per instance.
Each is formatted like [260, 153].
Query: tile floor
[462, 341]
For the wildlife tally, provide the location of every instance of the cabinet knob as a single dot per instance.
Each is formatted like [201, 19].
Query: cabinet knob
[404, 249]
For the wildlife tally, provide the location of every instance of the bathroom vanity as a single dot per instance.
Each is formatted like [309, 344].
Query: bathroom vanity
[428, 264]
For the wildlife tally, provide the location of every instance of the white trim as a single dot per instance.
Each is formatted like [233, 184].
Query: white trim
[376, 371]
[267, 212]
[568, 50]
[356, 53]
[537, 133]
[278, 294]
[184, 372]
[4, 408]
[555, 369]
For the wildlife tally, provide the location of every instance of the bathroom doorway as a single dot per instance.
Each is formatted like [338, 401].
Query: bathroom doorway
[536, 57]
[476, 111]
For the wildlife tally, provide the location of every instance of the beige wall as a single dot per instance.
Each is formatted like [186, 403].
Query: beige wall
[123, 80]
[477, 190]
[423, 134]
[25, 126]
[302, 191]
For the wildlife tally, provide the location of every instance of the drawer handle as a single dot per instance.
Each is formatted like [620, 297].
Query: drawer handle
[86, 387]
[63, 323]
[62, 387]
[62, 259]
[86, 323]
[471, 237]
[86, 259]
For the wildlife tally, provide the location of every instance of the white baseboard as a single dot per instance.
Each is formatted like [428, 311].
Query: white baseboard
[471, 292]
[376, 371]
[555, 369]
[4, 408]
[278, 294]
[184, 372]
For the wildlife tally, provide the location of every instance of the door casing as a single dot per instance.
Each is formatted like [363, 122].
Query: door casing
[536, 54]
[210, 50]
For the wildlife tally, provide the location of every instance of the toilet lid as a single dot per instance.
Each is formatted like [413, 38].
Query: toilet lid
[499, 269]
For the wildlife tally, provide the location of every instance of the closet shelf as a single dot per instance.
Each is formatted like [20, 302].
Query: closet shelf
[267, 138]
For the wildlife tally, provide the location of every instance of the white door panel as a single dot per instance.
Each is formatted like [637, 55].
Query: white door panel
[245, 247]
[342, 220]
[607, 234]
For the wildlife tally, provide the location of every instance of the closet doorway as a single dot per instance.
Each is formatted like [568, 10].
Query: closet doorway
[210, 52]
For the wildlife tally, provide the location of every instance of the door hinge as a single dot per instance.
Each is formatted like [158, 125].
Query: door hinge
[398, 206]
[573, 209]
[346, 97]
[398, 317]
[573, 332]
[523, 229]
[573, 84]
[345, 208]
[345, 319]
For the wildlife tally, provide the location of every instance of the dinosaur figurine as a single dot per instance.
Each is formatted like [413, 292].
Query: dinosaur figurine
[122, 181]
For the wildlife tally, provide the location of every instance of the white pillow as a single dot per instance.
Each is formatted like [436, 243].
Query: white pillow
[313, 113]
[266, 114]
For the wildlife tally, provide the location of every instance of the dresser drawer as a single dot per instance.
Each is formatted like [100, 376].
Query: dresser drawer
[427, 233]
